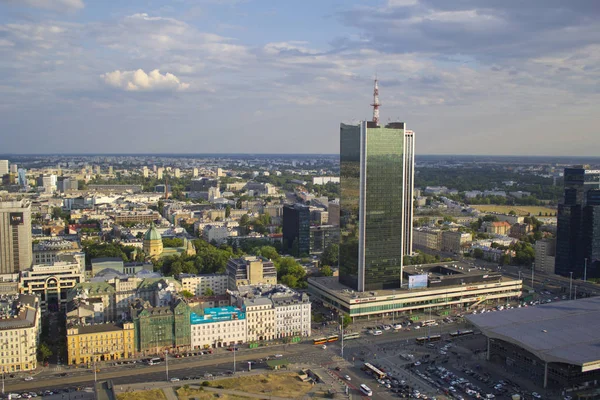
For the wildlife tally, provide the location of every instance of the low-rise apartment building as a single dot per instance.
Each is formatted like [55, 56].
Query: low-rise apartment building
[250, 270]
[20, 329]
[199, 284]
[87, 344]
[427, 238]
[455, 241]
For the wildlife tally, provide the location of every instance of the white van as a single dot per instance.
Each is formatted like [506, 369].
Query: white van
[397, 327]
[377, 332]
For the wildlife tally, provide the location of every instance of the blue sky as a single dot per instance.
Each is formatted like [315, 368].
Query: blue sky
[197, 76]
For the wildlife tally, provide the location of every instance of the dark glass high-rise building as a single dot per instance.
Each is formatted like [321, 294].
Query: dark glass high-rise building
[296, 228]
[578, 225]
[376, 171]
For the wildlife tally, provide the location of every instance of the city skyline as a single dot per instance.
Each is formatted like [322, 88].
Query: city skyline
[166, 77]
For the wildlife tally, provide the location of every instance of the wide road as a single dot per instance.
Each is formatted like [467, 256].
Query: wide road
[220, 362]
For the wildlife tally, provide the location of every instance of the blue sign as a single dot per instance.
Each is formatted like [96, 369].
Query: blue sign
[217, 315]
[417, 281]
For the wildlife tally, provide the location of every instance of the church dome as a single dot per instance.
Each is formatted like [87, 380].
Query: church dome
[152, 234]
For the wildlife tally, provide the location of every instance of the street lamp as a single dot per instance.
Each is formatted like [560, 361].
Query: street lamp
[571, 285]
[585, 270]
[167, 364]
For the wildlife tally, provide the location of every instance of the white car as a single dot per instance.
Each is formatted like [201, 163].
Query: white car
[418, 363]
[174, 379]
[324, 347]
[347, 377]
[536, 395]
[29, 378]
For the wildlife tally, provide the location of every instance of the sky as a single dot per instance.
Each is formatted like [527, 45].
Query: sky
[506, 77]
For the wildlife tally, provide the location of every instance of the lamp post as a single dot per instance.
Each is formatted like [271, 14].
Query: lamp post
[571, 286]
[342, 333]
[234, 351]
[585, 270]
[167, 364]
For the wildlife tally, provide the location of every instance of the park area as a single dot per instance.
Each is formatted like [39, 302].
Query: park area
[534, 211]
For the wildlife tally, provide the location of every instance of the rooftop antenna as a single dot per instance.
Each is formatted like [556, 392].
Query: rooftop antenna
[376, 103]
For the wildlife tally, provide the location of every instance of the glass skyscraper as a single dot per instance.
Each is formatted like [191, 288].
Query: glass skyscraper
[376, 171]
[578, 225]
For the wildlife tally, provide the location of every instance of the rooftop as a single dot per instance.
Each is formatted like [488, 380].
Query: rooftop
[565, 331]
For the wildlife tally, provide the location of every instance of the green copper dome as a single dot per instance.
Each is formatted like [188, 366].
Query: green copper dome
[152, 234]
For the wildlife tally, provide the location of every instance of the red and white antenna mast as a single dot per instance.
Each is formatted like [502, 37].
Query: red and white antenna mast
[376, 103]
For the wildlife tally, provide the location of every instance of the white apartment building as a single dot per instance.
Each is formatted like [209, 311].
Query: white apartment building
[198, 284]
[19, 333]
[52, 282]
[292, 314]
[218, 327]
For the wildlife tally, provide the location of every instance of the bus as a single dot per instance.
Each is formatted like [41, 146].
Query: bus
[426, 339]
[333, 338]
[429, 322]
[366, 390]
[322, 340]
[154, 361]
[461, 333]
[349, 336]
[375, 371]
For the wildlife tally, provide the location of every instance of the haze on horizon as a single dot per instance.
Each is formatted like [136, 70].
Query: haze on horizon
[249, 76]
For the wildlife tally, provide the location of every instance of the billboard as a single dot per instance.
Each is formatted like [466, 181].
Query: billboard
[417, 281]
[16, 218]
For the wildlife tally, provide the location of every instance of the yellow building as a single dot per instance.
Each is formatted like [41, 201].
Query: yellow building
[153, 245]
[102, 342]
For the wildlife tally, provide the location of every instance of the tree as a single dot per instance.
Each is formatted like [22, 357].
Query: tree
[187, 294]
[330, 255]
[269, 252]
[44, 352]
[478, 253]
[327, 271]
[227, 211]
[209, 292]
[346, 321]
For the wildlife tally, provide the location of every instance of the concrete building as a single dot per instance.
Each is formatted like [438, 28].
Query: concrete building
[15, 236]
[47, 251]
[115, 188]
[3, 167]
[177, 173]
[250, 270]
[47, 183]
[454, 241]
[218, 327]
[323, 180]
[138, 217]
[145, 172]
[160, 172]
[260, 318]
[292, 314]
[51, 283]
[20, 327]
[496, 227]
[100, 264]
[545, 254]
[66, 184]
[427, 238]
[443, 288]
[199, 284]
[553, 345]
[89, 344]
[217, 233]
[334, 213]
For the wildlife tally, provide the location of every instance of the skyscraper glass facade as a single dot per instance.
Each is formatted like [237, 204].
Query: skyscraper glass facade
[578, 230]
[372, 203]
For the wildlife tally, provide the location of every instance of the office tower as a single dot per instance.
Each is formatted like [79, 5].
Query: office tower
[15, 236]
[578, 230]
[14, 168]
[296, 228]
[22, 176]
[47, 182]
[3, 167]
[376, 171]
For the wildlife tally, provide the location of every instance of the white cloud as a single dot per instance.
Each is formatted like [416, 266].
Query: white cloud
[57, 5]
[141, 81]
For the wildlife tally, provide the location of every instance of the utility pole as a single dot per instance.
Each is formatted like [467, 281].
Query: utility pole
[585, 271]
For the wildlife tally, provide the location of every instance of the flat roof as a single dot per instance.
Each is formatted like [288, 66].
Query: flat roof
[564, 331]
